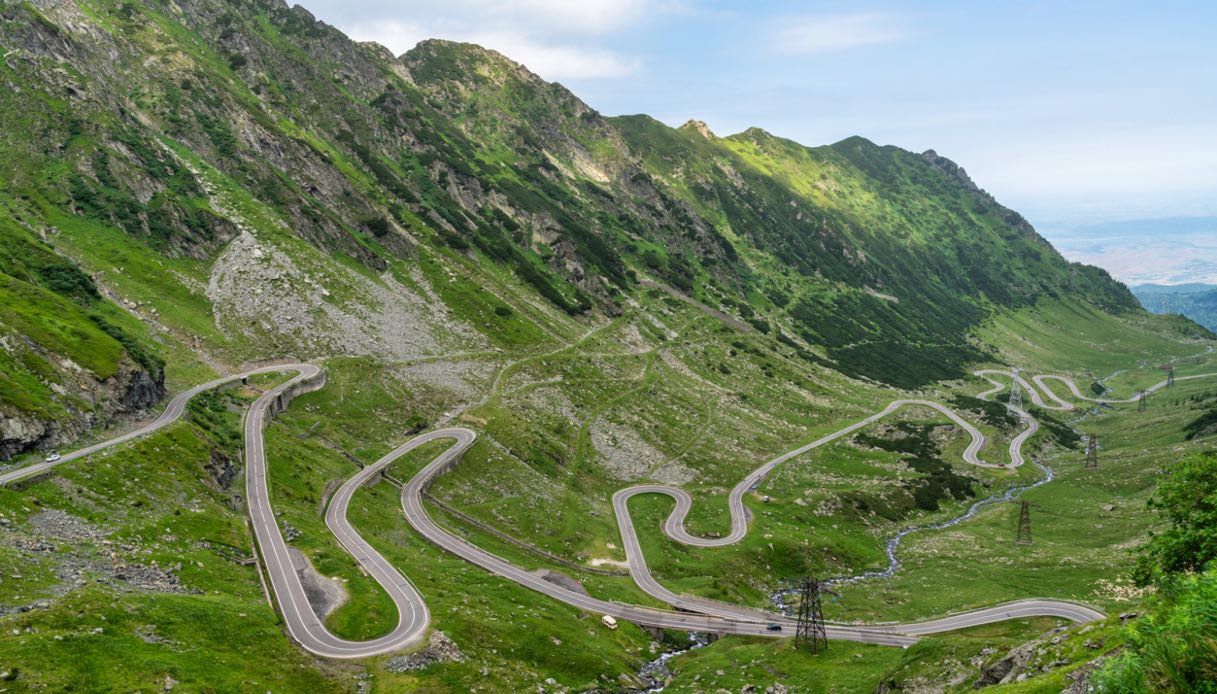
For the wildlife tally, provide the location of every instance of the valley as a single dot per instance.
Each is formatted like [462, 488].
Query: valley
[376, 373]
[450, 534]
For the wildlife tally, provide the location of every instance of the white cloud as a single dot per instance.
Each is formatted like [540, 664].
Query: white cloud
[551, 61]
[829, 34]
[591, 16]
[557, 39]
[398, 37]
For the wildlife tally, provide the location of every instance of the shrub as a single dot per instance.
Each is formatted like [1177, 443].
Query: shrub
[1187, 497]
[154, 365]
[377, 224]
[1174, 648]
[68, 280]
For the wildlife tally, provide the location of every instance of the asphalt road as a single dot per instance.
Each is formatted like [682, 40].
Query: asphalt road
[1049, 400]
[301, 621]
[172, 412]
[692, 613]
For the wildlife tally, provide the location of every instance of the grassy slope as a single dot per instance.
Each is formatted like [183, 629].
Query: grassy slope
[775, 544]
[362, 413]
[705, 398]
[50, 311]
[155, 503]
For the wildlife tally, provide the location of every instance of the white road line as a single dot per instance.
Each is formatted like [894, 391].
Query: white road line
[708, 615]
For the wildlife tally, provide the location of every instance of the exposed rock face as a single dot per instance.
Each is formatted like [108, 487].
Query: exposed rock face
[951, 169]
[440, 649]
[324, 594]
[221, 469]
[699, 127]
[560, 579]
[142, 392]
[1006, 669]
[19, 434]
[88, 402]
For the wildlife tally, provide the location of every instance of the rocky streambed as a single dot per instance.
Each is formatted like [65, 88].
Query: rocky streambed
[892, 546]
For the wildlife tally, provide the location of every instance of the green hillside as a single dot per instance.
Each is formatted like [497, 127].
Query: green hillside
[197, 186]
[1196, 301]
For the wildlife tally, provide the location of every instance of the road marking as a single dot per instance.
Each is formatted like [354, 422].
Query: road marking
[413, 616]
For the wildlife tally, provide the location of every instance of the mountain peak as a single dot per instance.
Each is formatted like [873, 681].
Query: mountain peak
[444, 60]
[757, 133]
[855, 141]
[699, 127]
[951, 169]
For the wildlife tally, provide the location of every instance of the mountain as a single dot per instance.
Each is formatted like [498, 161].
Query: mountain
[199, 186]
[1196, 301]
[202, 130]
[1157, 289]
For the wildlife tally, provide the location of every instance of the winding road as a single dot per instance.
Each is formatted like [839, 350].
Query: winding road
[691, 613]
[172, 412]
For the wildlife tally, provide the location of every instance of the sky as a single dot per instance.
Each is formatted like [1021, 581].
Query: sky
[1077, 114]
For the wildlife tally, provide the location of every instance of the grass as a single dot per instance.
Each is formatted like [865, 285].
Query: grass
[171, 285]
[145, 642]
[625, 375]
[61, 326]
[154, 501]
[568, 408]
[731, 664]
[1096, 343]
[507, 630]
[1083, 523]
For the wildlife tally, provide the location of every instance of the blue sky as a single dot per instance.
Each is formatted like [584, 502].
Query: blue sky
[1073, 113]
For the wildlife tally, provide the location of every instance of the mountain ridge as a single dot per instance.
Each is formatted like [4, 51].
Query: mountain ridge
[205, 188]
[852, 252]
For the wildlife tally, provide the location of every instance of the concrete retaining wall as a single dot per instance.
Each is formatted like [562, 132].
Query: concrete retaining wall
[307, 385]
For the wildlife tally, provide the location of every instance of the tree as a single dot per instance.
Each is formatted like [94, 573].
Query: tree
[1187, 498]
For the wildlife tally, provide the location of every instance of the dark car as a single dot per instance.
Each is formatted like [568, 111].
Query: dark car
[774, 627]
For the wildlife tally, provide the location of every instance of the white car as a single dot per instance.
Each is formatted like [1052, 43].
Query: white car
[52, 457]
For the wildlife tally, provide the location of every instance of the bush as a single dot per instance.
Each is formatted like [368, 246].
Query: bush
[378, 225]
[153, 364]
[760, 323]
[68, 280]
[1174, 648]
[1187, 497]
[921, 453]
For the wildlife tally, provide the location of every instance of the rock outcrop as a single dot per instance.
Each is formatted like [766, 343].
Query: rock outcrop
[439, 649]
[86, 403]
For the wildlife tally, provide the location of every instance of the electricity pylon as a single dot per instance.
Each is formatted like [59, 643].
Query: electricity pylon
[1092, 453]
[1016, 392]
[1024, 524]
[810, 632]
